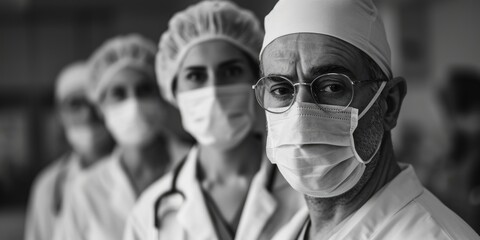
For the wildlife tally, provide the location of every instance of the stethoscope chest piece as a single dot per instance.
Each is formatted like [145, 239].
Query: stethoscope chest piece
[171, 200]
[170, 204]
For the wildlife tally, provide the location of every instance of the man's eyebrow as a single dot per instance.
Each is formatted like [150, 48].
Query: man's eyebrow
[289, 76]
[317, 71]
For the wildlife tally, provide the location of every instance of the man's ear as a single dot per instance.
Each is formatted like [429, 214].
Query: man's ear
[395, 92]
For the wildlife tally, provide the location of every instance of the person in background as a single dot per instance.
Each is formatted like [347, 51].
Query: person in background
[225, 189]
[89, 140]
[125, 90]
[455, 179]
[331, 102]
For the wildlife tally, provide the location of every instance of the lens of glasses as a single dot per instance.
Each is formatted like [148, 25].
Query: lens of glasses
[332, 89]
[275, 93]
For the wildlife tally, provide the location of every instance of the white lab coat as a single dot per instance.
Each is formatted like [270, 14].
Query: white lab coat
[263, 214]
[402, 209]
[98, 204]
[47, 196]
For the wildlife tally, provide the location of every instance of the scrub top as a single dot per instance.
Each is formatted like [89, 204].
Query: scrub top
[265, 211]
[47, 195]
[98, 204]
[402, 209]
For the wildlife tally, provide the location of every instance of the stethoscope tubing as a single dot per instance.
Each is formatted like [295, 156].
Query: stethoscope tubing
[173, 188]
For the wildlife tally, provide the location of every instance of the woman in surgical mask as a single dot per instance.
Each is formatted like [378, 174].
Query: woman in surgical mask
[126, 93]
[89, 140]
[225, 188]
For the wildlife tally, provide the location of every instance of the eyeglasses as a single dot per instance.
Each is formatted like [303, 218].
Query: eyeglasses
[276, 94]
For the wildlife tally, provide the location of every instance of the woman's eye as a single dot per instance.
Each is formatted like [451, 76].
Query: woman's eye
[233, 71]
[145, 90]
[196, 76]
[75, 104]
[117, 93]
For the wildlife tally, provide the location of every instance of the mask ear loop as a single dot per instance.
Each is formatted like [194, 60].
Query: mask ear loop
[374, 99]
[374, 153]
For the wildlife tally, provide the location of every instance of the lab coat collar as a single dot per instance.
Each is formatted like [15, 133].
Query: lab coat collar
[73, 166]
[68, 168]
[279, 181]
[260, 204]
[122, 193]
[193, 215]
[395, 195]
[293, 228]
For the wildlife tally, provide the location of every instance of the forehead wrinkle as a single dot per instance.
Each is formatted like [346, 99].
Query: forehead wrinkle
[299, 55]
[299, 65]
[282, 54]
[330, 52]
[279, 59]
[283, 67]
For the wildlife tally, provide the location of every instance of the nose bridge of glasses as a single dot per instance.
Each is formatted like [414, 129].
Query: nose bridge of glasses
[303, 94]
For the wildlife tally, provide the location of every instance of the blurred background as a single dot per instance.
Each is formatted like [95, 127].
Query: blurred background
[435, 45]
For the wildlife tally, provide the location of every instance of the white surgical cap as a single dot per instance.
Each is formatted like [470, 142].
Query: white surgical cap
[72, 78]
[357, 22]
[204, 21]
[130, 51]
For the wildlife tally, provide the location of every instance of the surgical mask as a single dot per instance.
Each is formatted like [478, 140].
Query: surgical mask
[85, 138]
[314, 149]
[134, 122]
[220, 117]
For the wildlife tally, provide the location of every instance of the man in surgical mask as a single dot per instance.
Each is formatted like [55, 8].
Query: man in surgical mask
[89, 140]
[331, 102]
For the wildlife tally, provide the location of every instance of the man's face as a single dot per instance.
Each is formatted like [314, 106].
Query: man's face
[304, 56]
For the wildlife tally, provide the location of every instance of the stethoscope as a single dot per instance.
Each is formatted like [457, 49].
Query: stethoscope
[171, 192]
[174, 191]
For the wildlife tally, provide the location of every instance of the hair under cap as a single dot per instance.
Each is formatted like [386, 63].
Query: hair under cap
[130, 51]
[204, 21]
[357, 22]
[74, 77]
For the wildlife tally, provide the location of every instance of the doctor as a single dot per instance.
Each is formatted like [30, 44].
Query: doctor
[89, 141]
[225, 189]
[331, 102]
[127, 95]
